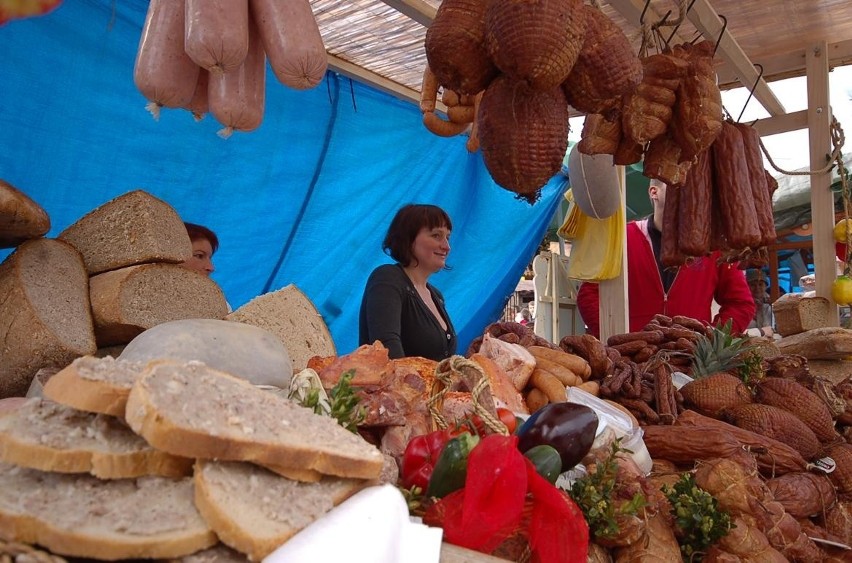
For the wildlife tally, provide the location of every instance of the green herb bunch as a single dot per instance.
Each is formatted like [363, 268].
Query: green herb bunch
[699, 521]
[594, 494]
[345, 403]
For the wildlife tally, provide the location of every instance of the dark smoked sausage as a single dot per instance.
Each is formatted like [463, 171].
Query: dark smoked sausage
[759, 185]
[695, 204]
[739, 218]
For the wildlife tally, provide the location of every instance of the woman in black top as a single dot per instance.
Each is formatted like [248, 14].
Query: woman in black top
[399, 307]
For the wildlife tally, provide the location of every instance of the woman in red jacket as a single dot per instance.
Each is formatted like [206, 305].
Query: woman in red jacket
[688, 290]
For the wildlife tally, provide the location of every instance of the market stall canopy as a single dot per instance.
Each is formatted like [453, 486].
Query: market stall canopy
[381, 41]
[304, 199]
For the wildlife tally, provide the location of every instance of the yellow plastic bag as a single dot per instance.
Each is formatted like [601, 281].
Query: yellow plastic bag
[597, 244]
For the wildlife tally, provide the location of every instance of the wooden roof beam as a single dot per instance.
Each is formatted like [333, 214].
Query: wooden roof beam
[788, 65]
[707, 21]
[418, 10]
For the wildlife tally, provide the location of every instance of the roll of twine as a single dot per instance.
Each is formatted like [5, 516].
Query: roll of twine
[446, 372]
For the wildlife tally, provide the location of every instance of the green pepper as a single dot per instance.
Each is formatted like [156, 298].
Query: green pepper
[451, 468]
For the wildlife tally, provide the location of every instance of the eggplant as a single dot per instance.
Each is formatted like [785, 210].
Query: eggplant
[569, 427]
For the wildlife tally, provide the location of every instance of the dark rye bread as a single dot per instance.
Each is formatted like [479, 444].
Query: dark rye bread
[192, 410]
[45, 319]
[133, 228]
[127, 301]
[255, 511]
[44, 435]
[99, 385]
[82, 516]
[21, 218]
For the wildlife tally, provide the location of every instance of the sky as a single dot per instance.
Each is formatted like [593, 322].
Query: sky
[788, 150]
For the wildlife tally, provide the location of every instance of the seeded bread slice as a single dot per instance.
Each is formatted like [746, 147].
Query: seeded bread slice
[195, 411]
[45, 319]
[255, 511]
[44, 435]
[82, 516]
[99, 385]
[133, 228]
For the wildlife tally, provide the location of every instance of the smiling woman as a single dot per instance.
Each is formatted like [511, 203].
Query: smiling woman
[399, 307]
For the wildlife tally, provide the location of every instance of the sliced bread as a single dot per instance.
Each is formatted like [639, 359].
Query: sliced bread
[127, 301]
[240, 349]
[44, 435]
[133, 228]
[45, 318]
[255, 511]
[219, 553]
[99, 385]
[795, 313]
[82, 516]
[21, 218]
[292, 317]
[192, 410]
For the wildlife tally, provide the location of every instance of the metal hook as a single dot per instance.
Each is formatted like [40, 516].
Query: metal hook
[751, 92]
[721, 33]
[688, 8]
[642, 15]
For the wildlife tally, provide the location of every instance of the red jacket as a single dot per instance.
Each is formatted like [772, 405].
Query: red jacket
[691, 294]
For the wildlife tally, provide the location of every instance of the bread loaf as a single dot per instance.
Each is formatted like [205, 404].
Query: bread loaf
[45, 318]
[195, 411]
[99, 385]
[21, 218]
[290, 315]
[795, 313]
[240, 349]
[82, 516]
[41, 434]
[133, 228]
[129, 300]
[255, 511]
[826, 343]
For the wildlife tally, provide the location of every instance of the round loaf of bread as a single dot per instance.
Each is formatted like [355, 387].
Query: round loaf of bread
[594, 183]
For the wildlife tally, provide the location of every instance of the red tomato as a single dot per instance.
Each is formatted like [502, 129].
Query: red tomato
[507, 417]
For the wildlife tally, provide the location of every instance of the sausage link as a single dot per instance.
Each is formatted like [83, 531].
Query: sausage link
[739, 218]
[759, 186]
[694, 209]
[647, 336]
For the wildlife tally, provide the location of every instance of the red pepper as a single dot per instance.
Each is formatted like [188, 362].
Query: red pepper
[420, 456]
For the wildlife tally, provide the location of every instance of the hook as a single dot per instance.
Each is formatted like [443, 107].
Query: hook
[721, 33]
[751, 92]
[688, 8]
[642, 15]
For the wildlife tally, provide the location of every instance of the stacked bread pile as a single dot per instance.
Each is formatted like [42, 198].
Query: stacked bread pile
[129, 460]
[106, 278]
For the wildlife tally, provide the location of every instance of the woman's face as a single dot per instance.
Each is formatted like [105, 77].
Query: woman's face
[431, 247]
[202, 257]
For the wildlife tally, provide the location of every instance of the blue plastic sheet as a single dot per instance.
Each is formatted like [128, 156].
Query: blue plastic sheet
[304, 199]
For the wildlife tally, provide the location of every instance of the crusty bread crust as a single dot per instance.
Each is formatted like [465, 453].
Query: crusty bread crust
[51, 437]
[86, 392]
[255, 511]
[80, 516]
[194, 411]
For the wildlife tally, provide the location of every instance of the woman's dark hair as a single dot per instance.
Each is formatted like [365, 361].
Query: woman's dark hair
[406, 224]
[196, 232]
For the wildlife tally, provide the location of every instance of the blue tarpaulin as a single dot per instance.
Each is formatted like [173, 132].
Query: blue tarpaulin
[305, 199]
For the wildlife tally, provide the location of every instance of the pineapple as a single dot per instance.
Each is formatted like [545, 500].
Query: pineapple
[721, 351]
